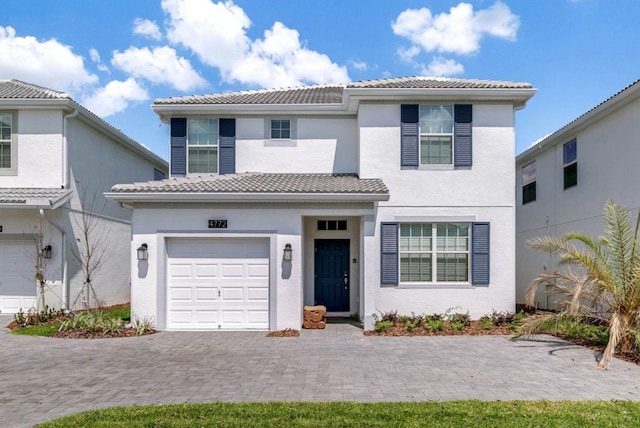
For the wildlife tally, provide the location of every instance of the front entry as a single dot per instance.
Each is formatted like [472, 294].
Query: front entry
[332, 274]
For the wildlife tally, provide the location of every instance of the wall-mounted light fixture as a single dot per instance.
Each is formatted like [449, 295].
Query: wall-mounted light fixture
[288, 253]
[46, 252]
[143, 254]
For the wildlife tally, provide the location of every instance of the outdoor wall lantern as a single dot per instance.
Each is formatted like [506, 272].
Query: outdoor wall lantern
[143, 254]
[46, 252]
[288, 253]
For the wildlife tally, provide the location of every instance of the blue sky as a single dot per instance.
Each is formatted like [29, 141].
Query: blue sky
[115, 57]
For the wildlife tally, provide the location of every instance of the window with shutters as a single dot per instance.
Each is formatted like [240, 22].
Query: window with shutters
[8, 149]
[436, 134]
[529, 183]
[570, 164]
[202, 146]
[434, 252]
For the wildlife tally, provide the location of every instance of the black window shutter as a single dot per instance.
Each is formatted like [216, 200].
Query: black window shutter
[178, 146]
[227, 147]
[389, 254]
[480, 238]
[410, 138]
[463, 119]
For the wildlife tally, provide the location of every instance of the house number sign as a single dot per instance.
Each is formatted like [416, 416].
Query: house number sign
[217, 224]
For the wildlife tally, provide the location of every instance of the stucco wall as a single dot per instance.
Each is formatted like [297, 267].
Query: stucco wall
[319, 145]
[607, 153]
[280, 223]
[482, 193]
[39, 143]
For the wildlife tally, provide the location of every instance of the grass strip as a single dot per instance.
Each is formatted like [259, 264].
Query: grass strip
[512, 414]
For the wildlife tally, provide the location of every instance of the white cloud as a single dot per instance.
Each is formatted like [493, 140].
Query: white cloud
[359, 65]
[442, 67]
[48, 63]
[216, 33]
[115, 97]
[160, 66]
[459, 31]
[146, 28]
[409, 53]
[95, 57]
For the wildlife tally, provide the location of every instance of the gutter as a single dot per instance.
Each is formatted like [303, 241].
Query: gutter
[245, 197]
[65, 149]
[63, 252]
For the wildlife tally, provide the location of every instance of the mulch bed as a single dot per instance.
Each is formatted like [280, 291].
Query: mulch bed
[86, 334]
[473, 329]
[287, 332]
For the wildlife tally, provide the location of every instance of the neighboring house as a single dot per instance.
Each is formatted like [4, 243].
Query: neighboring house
[564, 180]
[383, 195]
[52, 152]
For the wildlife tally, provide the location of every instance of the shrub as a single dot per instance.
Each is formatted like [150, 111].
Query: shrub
[412, 325]
[143, 325]
[434, 322]
[486, 323]
[382, 326]
[457, 320]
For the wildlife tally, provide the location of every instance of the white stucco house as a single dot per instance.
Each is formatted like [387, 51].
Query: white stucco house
[52, 151]
[393, 194]
[564, 180]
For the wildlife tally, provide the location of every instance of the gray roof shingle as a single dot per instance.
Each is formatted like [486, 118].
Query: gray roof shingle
[32, 196]
[16, 89]
[261, 183]
[333, 94]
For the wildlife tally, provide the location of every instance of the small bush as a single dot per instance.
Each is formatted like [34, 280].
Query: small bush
[389, 316]
[382, 326]
[143, 325]
[434, 322]
[411, 326]
[486, 323]
[402, 319]
[457, 320]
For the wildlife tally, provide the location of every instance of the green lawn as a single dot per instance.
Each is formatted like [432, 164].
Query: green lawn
[476, 414]
[50, 329]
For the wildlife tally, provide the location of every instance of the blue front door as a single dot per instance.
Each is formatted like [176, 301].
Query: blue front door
[332, 274]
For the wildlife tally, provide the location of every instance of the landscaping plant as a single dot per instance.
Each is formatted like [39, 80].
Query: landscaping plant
[600, 279]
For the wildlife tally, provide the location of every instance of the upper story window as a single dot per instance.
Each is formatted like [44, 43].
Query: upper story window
[529, 183]
[434, 252]
[6, 133]
[436, 134]
[570, 163]
[280, 129]
[202, 143]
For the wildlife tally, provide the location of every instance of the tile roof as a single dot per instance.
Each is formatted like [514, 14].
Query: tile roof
[32, 196]
[256, 183]
[423, 82]
[16, 89]
[303, 95]
[333, 94]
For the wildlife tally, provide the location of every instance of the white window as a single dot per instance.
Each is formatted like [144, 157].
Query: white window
[202, 143]
[6, 132]
[436, 134]
[444, 259]
[280, 129]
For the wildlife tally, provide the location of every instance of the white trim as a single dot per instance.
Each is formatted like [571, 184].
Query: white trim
[244, 197]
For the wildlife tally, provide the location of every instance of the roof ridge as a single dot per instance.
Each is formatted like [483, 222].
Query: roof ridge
[33, 86]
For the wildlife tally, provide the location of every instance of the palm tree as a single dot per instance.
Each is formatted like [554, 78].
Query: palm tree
[601, 280]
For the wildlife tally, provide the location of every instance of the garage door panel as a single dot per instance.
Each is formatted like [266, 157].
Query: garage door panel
[226, 292]
[206, 271]
[255, 294]
[207, 294]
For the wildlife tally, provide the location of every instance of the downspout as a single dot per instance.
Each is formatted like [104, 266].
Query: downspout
[63, 252]
[65, 149]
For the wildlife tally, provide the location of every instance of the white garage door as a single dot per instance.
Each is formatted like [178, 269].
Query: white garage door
[17, 283]
[217, 284]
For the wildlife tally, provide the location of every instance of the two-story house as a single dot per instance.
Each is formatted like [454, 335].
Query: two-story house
[393, 194]
[54, 153]
[564, 180]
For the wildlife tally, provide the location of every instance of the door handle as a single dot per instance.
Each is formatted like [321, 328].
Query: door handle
[346, 278]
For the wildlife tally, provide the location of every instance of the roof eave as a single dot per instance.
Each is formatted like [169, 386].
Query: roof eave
[518, 96]
[166, 111]
[130, 197]
[572, 128]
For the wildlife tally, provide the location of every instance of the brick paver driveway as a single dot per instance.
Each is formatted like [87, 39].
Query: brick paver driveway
[43, 378]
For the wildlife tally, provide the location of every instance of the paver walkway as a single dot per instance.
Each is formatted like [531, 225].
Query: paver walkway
[43, 378]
